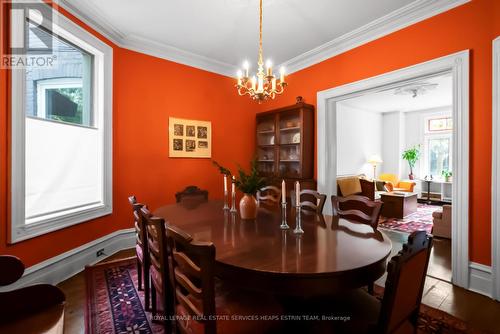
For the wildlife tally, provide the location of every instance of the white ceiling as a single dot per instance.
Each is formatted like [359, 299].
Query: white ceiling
[222, 33]
[387, 101]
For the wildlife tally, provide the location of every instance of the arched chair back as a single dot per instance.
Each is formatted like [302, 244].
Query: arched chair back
[310, 200]
[191, 193]
[159, 265]
[192, 273]
[406, 273]
[269, 195]
[357, 208]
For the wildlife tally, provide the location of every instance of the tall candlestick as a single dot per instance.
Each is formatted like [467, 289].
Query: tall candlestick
[233, 194]
[283, 191]
[297, 193]
[226, 206]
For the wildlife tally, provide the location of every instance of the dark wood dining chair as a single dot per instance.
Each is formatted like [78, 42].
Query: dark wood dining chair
[33, 309]
[158, 269]
[141, 250]
[310, 200]
[357, 208]
[201, 301]
[269, 195]
[399, 309]
[191, 192]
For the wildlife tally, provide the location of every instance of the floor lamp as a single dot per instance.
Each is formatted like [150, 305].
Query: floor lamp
[374, 160]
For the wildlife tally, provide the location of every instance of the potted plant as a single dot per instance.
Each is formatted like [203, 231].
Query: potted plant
[446, 174]
[412, 155]
[248, 184]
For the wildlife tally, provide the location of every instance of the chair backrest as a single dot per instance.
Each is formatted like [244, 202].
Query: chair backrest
[192, 273]
[310, 200]
[393, 178]
[158, 255]
[357, 208]
[406, 273]
[269, 195]
[191, 192]
[139, 225]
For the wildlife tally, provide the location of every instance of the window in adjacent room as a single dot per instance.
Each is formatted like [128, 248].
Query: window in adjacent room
[438, 145]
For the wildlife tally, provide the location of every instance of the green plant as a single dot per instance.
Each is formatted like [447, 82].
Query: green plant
[412, 155]
[446, 173]
[248, 183]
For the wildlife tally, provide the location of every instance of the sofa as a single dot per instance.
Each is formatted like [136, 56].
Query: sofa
[392, 183]
[355, 185]
[442, 222]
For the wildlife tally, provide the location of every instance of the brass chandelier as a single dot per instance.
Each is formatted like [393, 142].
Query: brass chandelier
[264, 85]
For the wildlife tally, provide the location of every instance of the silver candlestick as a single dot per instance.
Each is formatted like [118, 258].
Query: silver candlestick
[226, 207]
[298, 221]
[233, 202]
[284, 225]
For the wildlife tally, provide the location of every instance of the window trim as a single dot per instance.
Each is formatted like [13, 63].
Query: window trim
[103, 108]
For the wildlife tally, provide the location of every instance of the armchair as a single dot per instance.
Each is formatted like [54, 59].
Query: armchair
[33, 309]
[394, 184]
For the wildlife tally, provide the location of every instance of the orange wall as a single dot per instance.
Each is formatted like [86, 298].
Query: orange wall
[466, 27]
[147, 91]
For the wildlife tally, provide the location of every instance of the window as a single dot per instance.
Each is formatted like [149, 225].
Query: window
[61, 130]
[438, 145]
[440, 124]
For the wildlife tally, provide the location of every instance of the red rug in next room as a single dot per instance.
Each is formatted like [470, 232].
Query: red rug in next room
[418, 221]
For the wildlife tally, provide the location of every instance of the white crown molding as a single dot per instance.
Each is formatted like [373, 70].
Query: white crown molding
[416, 11]
[65, 265]
[164, 51]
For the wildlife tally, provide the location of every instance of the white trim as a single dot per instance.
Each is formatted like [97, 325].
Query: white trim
[103, 109]
[480, 279]
[415, 12]
[403, 17]
[458, 65]
[65, 265]
[164, 51]
[495, 182]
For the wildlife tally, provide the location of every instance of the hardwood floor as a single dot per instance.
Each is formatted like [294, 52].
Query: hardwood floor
[480, 311]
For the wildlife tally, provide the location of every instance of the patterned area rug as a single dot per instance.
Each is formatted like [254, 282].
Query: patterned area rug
[418, 221]
[114, 304]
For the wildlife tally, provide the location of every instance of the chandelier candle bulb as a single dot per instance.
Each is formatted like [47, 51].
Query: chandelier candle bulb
[282, 74]
[254, 83]
[273, 83]
[246, 66]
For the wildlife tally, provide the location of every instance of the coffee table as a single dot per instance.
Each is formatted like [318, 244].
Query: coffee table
[398, 204]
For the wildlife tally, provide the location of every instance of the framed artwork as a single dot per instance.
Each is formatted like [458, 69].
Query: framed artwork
[189, 138]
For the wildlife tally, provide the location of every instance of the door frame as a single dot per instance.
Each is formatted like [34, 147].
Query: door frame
[458, 65]
[495, 181]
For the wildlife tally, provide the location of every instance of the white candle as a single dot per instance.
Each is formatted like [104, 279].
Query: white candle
[225, 184]
[283, 192]
[273, 84]
[297, 193]
[233, 190]
[282, 74]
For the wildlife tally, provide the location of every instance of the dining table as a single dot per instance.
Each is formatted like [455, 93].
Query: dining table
[332, 255]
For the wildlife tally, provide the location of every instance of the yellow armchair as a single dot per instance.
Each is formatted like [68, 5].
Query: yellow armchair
[394, 184]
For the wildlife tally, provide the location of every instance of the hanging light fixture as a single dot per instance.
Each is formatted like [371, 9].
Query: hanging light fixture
[264, 85]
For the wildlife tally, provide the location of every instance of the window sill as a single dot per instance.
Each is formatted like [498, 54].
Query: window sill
[28, 231]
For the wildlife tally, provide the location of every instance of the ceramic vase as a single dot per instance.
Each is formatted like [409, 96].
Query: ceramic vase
[248, 207]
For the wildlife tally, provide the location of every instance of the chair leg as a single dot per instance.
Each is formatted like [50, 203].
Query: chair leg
[370, 288]
[153, 301]
[139, 274]
[147, 289]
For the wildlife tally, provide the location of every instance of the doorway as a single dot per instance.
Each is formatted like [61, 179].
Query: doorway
[457, 67]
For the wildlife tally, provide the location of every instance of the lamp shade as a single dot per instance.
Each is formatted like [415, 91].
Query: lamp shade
[375, 159]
